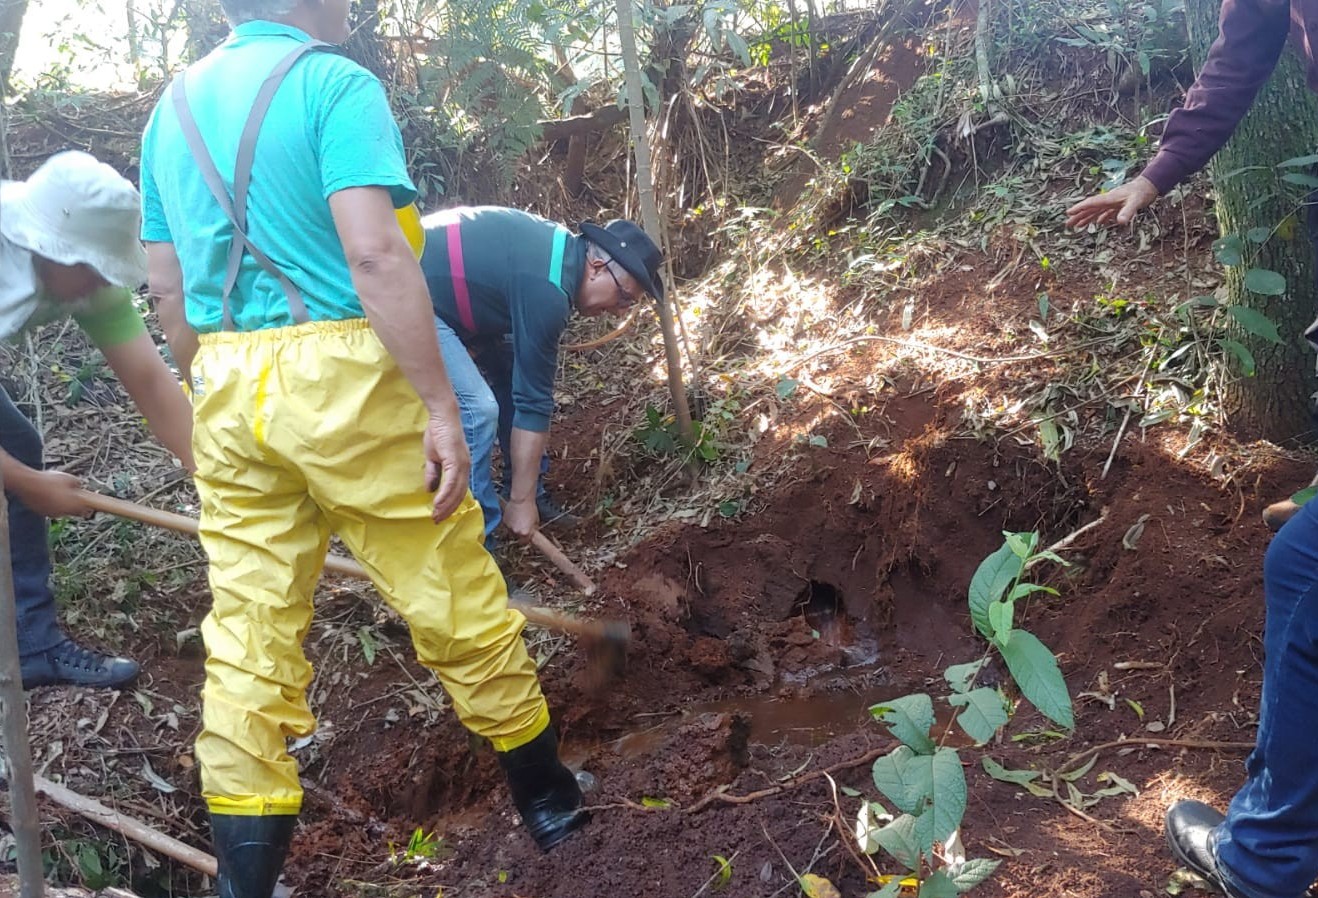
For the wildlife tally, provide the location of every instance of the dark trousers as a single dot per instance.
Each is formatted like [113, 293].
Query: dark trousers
[38, 629]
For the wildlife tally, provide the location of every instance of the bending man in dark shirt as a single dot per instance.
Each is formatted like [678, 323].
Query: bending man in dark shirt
[504, 284]
[1266, 845]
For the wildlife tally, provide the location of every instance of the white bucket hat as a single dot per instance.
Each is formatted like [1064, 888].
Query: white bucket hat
[74, 209]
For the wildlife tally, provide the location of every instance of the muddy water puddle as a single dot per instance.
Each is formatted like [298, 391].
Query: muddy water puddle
[809, 720]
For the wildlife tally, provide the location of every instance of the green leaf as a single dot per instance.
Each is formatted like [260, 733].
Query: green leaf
[818, 441]
[1025, 589]
[738, 45]
[1035, 671]
[729, 509]
[786, 387]
[369, 644]
[1256, 323]
[983, 711]
[1299, 162]
[1307, 181]
[1258, 235]
[1000, 619]
[898, 839]
[1305, 495]
[1229, 250]
[995, 574]
[1022, 544]
[1265, 281]
[909, 718]
[960, 676]
[656, 803]
[905, 777]
[1023, 778]
[1242, 354]
[973, 872]
[938, 885]
[946, 802]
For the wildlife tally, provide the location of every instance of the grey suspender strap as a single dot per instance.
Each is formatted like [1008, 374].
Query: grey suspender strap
[235, 207]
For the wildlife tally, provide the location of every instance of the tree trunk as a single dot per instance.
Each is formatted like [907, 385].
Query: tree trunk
[13, 723]
[11, 23]
[1283, 124]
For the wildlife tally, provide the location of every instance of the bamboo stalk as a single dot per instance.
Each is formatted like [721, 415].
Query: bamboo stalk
[13, 710]
[650, 211]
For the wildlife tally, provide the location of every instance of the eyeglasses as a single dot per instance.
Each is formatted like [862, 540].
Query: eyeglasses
[625, 299]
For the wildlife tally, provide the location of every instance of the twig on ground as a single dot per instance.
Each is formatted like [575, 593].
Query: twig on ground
[1078, 759]
[866, 863]
[1066, 541]
[719, 795]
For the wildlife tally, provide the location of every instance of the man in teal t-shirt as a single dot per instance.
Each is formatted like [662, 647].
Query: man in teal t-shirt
[68, 246]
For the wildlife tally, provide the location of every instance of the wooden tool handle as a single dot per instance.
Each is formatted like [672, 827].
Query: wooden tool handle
[562, 562]
[125, 509]
[337, 564]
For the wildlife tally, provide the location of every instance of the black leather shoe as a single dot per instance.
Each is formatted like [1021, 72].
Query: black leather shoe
[544, 790]
[250, 852]
[554, 515]
[69, 664]
[1190, 828]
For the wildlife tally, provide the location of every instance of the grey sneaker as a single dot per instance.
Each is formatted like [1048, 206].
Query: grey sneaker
[69, 664]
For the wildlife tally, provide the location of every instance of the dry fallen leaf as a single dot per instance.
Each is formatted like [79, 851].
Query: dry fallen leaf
[817, 887]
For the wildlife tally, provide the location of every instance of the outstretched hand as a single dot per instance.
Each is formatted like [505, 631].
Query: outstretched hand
[1117, 206]
[448, 464]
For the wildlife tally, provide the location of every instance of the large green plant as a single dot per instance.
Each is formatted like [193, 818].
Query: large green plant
[923, 778]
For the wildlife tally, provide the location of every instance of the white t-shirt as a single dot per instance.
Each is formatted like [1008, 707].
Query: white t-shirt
[19, 289]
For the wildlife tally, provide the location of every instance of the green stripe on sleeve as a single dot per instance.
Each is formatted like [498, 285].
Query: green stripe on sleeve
[556, 258]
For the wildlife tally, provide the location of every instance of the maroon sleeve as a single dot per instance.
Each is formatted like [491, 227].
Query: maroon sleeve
[1249, 43]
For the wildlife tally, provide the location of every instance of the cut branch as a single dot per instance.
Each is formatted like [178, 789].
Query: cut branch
[574, 125]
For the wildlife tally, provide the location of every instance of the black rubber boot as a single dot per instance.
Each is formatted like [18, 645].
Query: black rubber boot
[250, 851]
[545, 792]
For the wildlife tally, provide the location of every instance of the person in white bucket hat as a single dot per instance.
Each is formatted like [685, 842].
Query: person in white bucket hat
[68, 246]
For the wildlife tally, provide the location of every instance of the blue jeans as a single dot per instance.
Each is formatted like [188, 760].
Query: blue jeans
[1268, 845]
[484, 387]
[38, 629]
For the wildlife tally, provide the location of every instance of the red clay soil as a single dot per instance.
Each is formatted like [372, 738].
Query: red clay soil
[760, 642]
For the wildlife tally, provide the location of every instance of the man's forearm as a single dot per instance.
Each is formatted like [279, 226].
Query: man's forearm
[155, 392]
[179, 335]
[16, 474]
[169, 415]
[527, 450]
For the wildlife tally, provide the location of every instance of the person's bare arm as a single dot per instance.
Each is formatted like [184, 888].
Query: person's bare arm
[165, 284]
[158, 396]
[51, 494]
[520, 515]
[393, 294]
